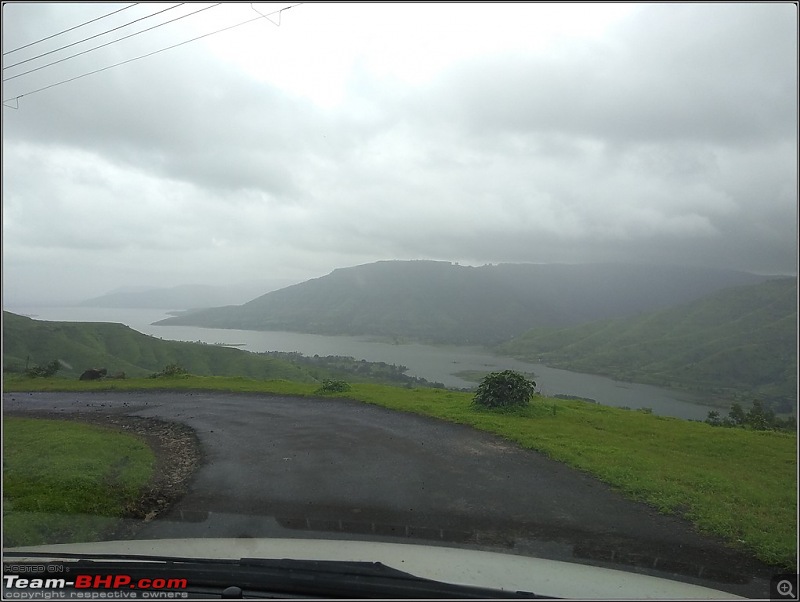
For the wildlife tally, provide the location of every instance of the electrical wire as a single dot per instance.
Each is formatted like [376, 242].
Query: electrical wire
[92, 37]
[71, 28]
[111, 42]
[16, 98]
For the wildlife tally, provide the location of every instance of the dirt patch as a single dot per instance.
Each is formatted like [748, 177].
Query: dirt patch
[177, 452]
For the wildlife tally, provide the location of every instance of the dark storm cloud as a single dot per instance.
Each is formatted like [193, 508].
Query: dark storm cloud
[670, 138]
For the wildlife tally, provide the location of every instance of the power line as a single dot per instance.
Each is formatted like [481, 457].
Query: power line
[111, 42]
[92, 37]
[71, 28]
[16, 98]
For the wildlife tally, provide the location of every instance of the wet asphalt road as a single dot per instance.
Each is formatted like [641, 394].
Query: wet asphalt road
[293, 467]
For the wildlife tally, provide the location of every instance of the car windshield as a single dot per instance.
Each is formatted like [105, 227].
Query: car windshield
[497, 295]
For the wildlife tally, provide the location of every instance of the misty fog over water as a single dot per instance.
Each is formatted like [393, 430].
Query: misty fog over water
[435, 363]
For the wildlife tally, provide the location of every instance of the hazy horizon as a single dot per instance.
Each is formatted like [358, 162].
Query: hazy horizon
[257, 288]
[241, 292]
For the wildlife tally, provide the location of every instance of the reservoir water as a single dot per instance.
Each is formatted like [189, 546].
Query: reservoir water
[436, 363]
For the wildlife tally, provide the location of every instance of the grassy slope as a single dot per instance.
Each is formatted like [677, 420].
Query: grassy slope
[736, 483]
[740, 341]
[121, 349]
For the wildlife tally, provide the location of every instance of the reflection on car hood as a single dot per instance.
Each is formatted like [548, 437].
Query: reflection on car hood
[451, 565]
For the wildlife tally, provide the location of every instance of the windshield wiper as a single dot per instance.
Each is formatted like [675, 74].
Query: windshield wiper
[257, 577]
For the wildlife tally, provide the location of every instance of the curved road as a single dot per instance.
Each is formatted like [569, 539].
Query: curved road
[295, 467]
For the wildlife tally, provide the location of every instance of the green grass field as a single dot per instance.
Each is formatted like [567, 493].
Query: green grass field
[67, 482]
[736, 483]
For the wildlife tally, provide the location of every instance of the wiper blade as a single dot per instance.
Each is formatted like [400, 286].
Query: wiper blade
[257, 577]
[372, 579]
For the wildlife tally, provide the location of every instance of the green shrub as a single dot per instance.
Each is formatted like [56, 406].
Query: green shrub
[171, 371]
[333, 386]
[504, 389]
[44, 371]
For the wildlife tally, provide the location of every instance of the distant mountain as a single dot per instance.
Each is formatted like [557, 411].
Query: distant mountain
[740, 340]
[184, 296]
[442, 302]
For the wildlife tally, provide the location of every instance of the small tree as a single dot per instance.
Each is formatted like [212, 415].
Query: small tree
[737, 415]
[504, 389]
[760, 417]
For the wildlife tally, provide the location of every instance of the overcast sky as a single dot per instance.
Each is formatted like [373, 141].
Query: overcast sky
[333, 135]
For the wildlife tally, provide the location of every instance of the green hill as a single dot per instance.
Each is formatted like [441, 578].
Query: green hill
[83, 345]
[439, 302]
[740, 341]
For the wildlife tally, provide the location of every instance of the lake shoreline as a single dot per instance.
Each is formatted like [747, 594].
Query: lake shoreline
[434, 363]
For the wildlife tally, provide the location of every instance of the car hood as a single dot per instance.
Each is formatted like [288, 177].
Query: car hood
[451, 565]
